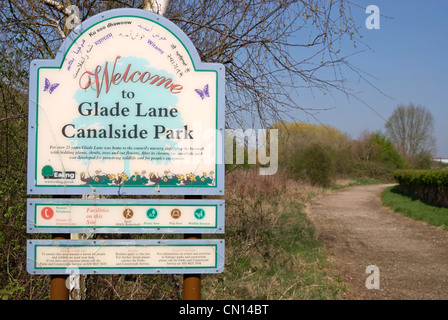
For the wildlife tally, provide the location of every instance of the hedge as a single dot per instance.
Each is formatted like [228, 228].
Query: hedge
[430, 186]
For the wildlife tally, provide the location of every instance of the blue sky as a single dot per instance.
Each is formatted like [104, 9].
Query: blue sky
[407, 60]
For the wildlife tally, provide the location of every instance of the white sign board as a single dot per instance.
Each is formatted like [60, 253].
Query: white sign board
[125, 256]
[127, 107]
[124, 216]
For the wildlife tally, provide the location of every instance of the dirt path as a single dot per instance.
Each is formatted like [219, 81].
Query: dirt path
[358, 231]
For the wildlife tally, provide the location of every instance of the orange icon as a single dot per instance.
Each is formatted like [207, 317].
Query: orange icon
[47, 213]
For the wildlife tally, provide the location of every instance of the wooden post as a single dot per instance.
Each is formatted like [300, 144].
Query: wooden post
[59, 290]
[192, 282]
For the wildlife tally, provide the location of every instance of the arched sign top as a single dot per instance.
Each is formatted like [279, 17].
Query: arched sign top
[127, 107]
[97, 26]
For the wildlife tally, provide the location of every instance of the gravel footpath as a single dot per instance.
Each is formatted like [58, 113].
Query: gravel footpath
[411, 256]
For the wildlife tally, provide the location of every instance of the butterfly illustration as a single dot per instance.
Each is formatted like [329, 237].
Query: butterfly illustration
[50, 87]
[203, 93]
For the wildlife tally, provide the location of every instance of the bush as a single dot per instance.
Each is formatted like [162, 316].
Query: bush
[375, 156]
[430, 186]
[314, 164]
[386, 152]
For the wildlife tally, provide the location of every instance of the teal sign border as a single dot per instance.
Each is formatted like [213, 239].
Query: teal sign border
[64, 189]
[153, 203]
[33, 268]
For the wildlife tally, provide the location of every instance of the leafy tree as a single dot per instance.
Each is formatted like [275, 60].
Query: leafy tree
[297, 136]
[376, 147]
[375, 156]
[318, 153]
[315, 164]
[386, 151]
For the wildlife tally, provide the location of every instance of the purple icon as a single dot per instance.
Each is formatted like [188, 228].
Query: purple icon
[50, 87]
[203, 93]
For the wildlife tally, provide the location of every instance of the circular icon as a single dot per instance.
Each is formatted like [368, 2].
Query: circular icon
[151, 213]
[128, 213]
[199, 213]
[175, 213]
[47, 213]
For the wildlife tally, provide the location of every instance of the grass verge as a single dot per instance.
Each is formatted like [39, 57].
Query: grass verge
[272, 250]
[414, 208]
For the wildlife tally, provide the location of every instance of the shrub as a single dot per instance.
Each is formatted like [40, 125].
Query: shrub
[375, 156]
[315, 164]
[430, 186]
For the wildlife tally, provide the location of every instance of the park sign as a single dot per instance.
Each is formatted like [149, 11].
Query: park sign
[125, 256]
[63, 216]
[126, 107]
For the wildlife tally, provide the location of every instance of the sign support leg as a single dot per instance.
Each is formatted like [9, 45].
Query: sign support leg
[59, 290]
[192, 282]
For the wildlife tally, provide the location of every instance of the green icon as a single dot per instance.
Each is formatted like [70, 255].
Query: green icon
[47, 172]
[199, 214]
[151, 213]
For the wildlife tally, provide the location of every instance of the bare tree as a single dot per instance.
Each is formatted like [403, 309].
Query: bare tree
[365, 148]
[411, 130]
[156, 6]
[272, 49]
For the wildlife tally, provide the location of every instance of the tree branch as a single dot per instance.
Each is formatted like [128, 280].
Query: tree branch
[156, 6]
[56, 5]
[17, 116]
